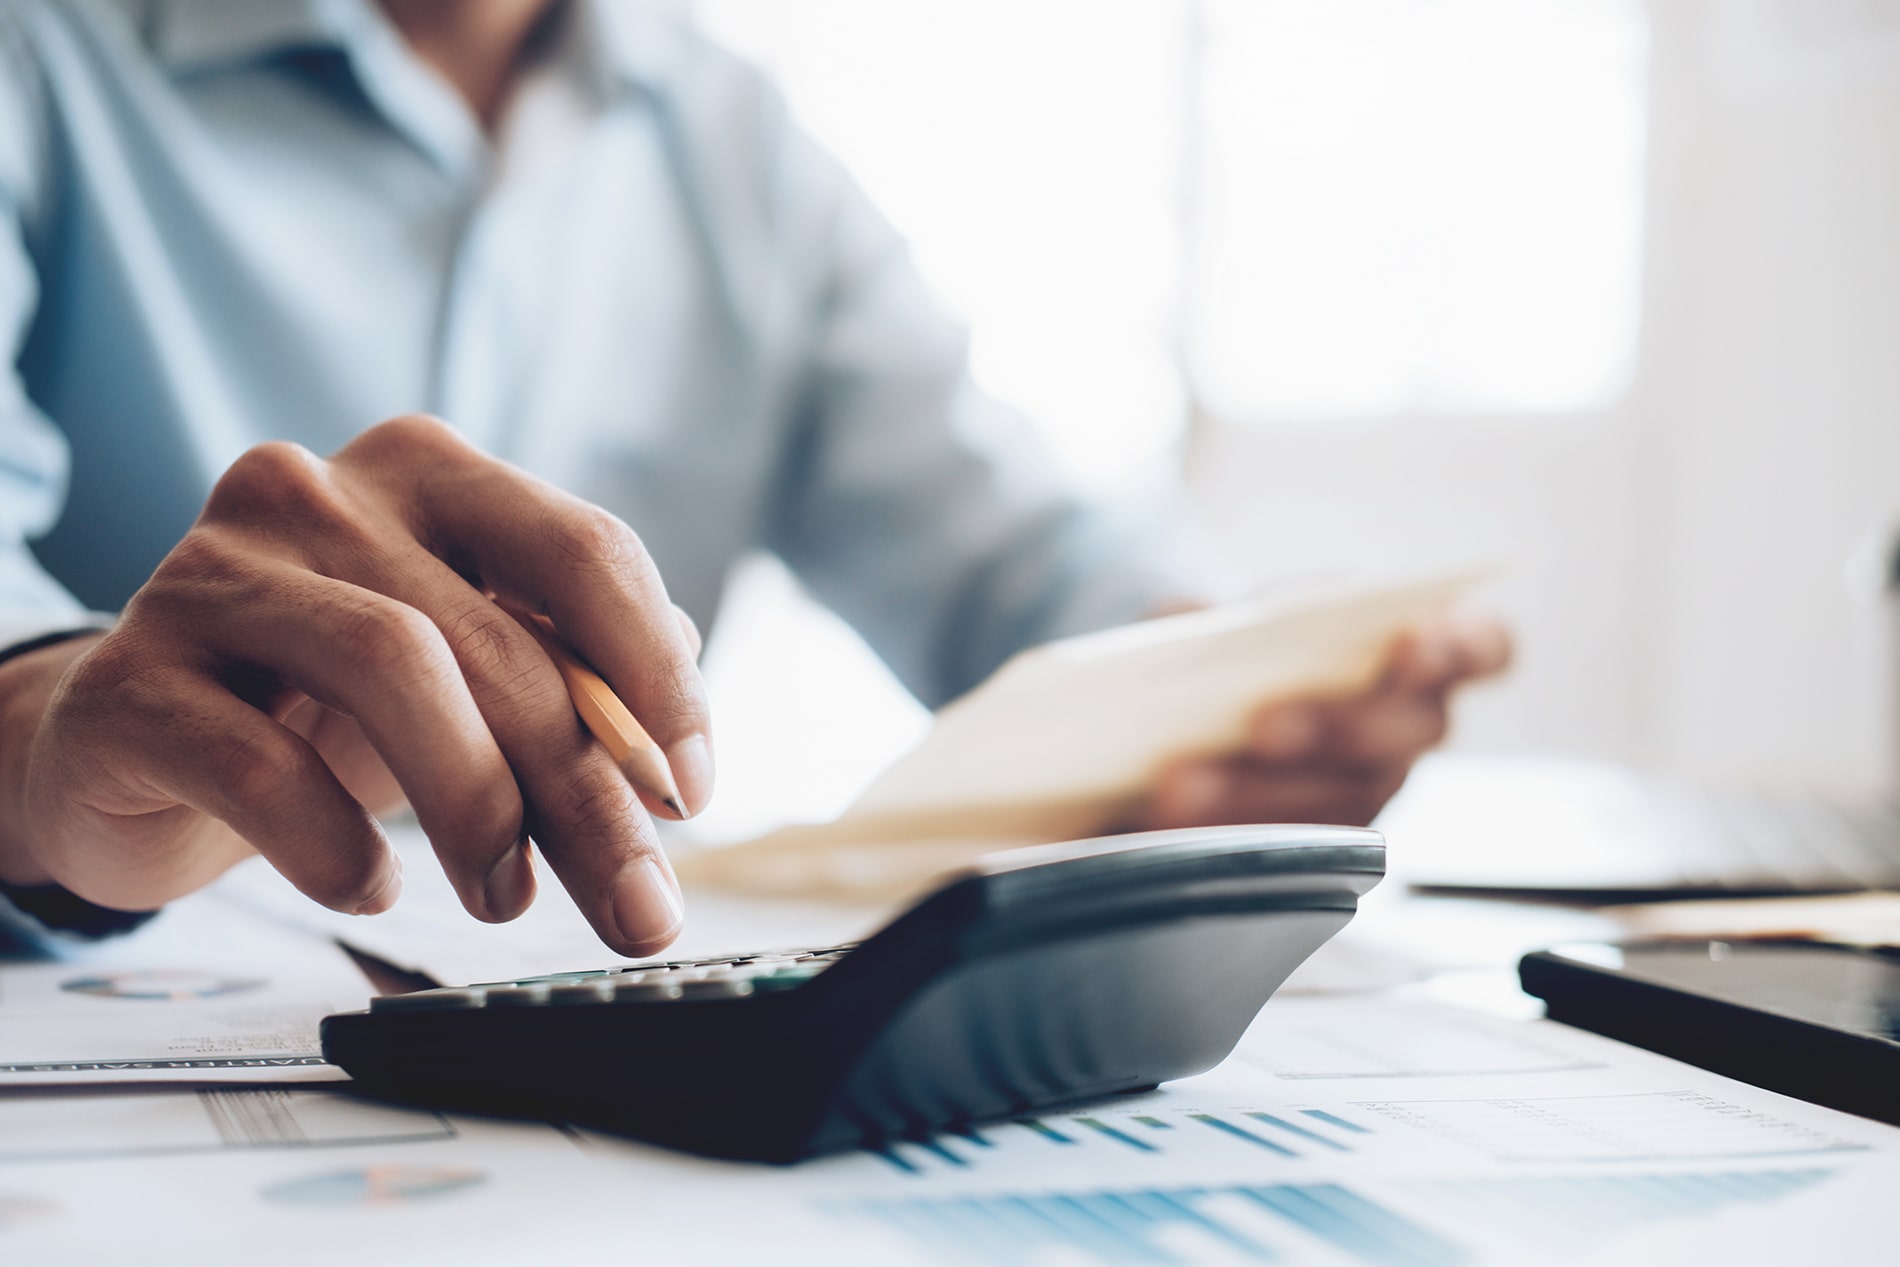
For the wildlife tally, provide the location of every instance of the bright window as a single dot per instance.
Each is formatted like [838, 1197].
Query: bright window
[1029, 150]
[1302, 208]
[1410, 207]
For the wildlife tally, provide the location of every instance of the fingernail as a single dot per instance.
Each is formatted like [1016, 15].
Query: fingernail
[391, 889]
[647, 906]
[510, 885]
[1285, 732]
[692, 764]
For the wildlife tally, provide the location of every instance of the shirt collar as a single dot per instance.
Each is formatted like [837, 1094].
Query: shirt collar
[631, 44]
[627, 43]
[200, 35]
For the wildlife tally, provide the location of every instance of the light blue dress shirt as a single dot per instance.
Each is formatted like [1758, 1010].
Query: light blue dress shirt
[228, 221]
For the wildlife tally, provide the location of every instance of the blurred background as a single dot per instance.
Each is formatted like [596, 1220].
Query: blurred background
[1605, 291]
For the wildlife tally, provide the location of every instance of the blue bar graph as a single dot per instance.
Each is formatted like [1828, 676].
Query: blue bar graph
[1159, 1225]
[1302, 1132]
[1241, 1132]
[1119, 1136]
[1045, 1130]
[1305, 1133]
[1333, 1119]
[1144, 1225]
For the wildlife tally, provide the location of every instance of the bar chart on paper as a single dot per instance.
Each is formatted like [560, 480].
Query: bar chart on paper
[1288, 1133]
[1158, 1223]
[1276, 1222]
[1161, 1184]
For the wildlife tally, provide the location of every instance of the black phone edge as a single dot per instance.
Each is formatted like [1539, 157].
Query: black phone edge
[1828, 1067]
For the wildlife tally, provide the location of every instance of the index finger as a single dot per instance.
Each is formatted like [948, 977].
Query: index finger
[552, 553]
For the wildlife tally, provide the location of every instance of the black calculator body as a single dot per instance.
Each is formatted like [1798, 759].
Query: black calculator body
[1036, 977]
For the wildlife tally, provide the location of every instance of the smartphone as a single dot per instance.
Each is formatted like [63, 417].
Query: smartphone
[1814, 1021]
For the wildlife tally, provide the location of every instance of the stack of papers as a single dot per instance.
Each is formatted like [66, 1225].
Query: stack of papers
[1375, 1131]
[208, 993]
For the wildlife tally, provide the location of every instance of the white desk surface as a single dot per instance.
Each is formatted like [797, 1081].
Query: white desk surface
[1397, 1105]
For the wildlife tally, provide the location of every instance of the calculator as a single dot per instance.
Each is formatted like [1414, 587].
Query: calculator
[1035, 977]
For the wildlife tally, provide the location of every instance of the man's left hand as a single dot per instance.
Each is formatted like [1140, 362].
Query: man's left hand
[1336, 759]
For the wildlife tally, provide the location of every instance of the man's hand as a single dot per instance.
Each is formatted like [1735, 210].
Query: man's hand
[324, 644]
[1337, 759]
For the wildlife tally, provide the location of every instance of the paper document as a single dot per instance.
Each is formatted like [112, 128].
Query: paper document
[241, 1176]
[1370, 1131]
[115, 1124]
[1064, 739]
[1867, 920]
[208, 992]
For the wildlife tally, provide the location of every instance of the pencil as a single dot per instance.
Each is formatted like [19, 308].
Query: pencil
[632, 749]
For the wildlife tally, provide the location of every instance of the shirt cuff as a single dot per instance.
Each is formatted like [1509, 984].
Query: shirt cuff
[46, 914]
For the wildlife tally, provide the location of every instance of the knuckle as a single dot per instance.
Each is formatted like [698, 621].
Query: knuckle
[597, 805]
[595, 540]
[183, 601]
[678, 706]
[404, 434]
[257, 769]
[387, 637]
[268, 480]
[495, 812]
[205, 556]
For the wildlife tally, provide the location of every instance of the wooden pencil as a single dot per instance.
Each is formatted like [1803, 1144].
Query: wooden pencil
[606, 716]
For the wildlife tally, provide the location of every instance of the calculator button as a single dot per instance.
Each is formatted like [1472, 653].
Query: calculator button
[716, 988]
[646, 992]
[784, 977]
[581, 992]
[426, 1001]
[517, 996]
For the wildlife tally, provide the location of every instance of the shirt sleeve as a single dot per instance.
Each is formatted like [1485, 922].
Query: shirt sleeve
[33, 465]
[920, 509]
[33, 453]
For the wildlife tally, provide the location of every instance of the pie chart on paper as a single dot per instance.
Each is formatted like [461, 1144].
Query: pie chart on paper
[168, 985]
[373, 1185]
